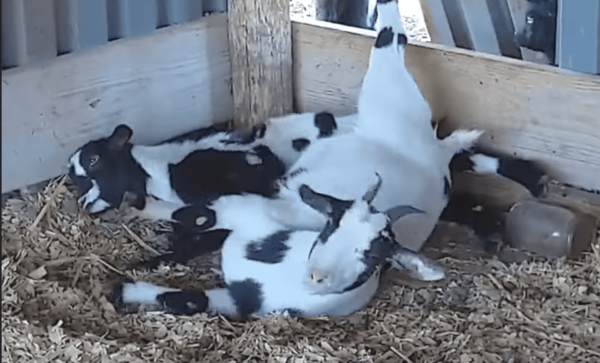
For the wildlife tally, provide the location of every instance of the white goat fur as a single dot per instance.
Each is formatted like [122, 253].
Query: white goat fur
[155, 159]
[394, 138]
[284, 285]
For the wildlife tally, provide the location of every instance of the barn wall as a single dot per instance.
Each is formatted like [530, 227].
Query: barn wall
[534, 111]
[170, 81]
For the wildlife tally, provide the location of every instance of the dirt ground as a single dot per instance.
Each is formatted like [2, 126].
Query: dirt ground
[58, 267]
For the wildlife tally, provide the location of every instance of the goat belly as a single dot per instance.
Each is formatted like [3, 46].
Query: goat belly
[210, 173]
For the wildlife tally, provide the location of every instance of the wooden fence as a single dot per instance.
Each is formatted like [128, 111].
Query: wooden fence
[488, 26]
[35, 30]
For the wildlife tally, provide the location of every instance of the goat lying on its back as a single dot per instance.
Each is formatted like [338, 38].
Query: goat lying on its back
[265, 264]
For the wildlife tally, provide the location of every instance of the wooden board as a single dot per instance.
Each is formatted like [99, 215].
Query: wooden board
[164, 84]
[530, 110]
[261, 61]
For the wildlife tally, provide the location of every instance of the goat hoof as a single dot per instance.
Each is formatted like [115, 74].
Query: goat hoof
[419, 267]
[184, 302]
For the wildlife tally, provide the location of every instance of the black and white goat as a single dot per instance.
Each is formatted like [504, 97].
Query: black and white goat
[539, 29]
[394, 138]
[195, 167]
[267, 266]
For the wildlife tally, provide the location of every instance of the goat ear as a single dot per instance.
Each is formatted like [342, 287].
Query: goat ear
[120, 137]
[320, 202]
[400, 211]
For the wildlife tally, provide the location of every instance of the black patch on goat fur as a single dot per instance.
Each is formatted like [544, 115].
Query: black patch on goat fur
[466, 210]
[326, 124]
[402, 39]
[385, 37]
[270, 250]
[205, 174]
[524, 172]
[446, 186]
[241, 138]
[186, 246]
[82, 183]
[247, 296]
[462, 162]
[297, 172]
[380, 249]
[339, 208]
[259, 131]
[187, 217]
[195, 135]
[184, 302]
[300, 144]
[117, 296]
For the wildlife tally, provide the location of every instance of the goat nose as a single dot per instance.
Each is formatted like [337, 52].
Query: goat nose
[318, 276]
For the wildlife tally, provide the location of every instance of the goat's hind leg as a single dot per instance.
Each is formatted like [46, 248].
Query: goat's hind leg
[190, 237]
[528, 173]
[180, 302]
[129, 293]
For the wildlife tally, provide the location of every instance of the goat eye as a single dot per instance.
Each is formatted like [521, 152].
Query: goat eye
[94, 159]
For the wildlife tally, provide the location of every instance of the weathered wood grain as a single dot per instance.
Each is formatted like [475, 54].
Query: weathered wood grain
[169, 82]
[530, 110]
[261, 59]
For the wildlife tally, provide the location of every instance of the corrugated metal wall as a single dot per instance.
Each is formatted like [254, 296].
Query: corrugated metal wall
[34, 30]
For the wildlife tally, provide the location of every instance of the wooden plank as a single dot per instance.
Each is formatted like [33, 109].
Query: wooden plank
[479, 25]
[437, 22]
[128, 18]
[534, 111]
[504, 27]
[261, 59]
[578, 35]
[458, 24]
[29, 31]
[80, 24]
[178, 11]
[175, 80]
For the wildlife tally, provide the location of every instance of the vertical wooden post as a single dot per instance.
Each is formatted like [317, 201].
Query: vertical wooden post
[261, 59]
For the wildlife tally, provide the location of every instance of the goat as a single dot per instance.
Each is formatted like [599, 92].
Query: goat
[266, 266]
[392, 137]
[539, 30]
[195, 167]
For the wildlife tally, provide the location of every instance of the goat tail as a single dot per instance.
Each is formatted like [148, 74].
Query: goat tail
[530, 174]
